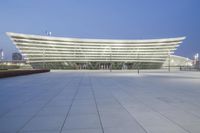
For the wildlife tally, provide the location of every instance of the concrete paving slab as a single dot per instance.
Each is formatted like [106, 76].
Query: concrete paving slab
[83, 109]
[12, 124]
[101, 102]
[82, 121]
[44, 123]
[83, 131]
[53, 111]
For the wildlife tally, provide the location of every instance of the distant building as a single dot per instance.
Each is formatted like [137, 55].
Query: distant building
[16, 56]
[196, 60]
[1, 54]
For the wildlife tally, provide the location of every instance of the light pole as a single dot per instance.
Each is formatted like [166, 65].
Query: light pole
[138, 61]
[110, 61]
[48, 33]
[1, 60]
[138, 64]
[43, 55]
[168, 61]
[187, 63]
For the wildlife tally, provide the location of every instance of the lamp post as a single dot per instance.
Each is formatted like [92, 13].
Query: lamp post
[138, 67]
[187, 59]
[1, 56]
[43, 55]
[48, 33]
[169, 61]
[110, 61]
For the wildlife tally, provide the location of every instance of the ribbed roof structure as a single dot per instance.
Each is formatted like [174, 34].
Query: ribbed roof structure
[39, 49]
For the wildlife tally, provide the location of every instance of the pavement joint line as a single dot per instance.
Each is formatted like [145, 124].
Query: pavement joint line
[130, 114]
[164, 114]
[157, 111]
[18, 131]
[77, 90]
[184, 94]
[166, 117]
[195, 104]
[18, 106]
[96, 105]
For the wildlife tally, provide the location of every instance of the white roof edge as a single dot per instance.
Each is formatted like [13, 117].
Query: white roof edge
[10, 34]
[178, 56]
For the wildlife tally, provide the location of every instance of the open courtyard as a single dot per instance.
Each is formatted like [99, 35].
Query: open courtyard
[101, 102]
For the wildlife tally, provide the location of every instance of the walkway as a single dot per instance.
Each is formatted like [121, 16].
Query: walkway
[101, 102]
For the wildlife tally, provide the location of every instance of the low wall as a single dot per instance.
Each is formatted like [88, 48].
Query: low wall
[11, 73]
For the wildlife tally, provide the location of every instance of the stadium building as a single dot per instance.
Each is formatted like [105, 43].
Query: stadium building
[75, 53]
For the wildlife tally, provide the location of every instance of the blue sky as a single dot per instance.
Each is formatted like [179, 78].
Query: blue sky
[110, 19]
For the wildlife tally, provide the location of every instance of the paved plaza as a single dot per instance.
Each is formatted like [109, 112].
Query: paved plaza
[101, 102]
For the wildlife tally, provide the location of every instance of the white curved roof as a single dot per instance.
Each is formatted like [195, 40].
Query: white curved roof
[50, 38]
[59, 49]
[176, 60]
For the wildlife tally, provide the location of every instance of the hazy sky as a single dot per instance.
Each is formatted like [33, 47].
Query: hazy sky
[111, 19]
